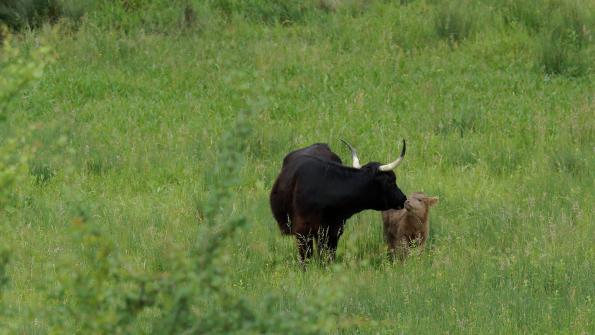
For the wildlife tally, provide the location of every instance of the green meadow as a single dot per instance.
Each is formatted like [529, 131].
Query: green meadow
[139, 141]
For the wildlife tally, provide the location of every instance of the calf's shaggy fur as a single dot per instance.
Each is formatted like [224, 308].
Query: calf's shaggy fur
[408, 227]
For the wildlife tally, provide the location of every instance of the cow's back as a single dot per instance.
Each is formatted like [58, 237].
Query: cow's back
[320, 150]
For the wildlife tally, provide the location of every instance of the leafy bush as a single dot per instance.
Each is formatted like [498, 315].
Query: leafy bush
[99, 296]
[100, 292]
[17, 71]
[13, 169]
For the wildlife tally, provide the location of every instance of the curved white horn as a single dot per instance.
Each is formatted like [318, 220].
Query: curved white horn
[353, 155]
[391, 166]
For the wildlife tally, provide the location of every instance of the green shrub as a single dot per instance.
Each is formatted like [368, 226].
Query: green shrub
[100, 295]
[100, 292]
[13, 169]
[17, 72]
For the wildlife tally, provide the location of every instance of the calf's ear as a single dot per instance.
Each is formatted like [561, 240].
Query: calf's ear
[431, 201]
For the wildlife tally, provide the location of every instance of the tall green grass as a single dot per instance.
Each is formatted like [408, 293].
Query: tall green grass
[564, 40]
[455, 21]
[563, 30]
[130, 123]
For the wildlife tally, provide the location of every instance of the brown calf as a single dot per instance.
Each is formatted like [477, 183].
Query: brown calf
[409, 226]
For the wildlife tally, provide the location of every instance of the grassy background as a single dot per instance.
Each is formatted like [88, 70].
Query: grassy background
[495, 99]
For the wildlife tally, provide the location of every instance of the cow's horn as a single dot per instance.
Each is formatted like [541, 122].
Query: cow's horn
[353, 155]
[391, 166]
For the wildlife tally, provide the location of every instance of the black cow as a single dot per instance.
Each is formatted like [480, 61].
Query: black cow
[280, 204]
[321, 150]
[315, 194]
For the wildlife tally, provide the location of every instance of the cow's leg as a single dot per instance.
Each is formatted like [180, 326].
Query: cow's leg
[328, 244]
[321, 240]
[333, 241]
[305, 246]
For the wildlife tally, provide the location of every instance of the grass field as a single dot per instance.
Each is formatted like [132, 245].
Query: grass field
[128, 120]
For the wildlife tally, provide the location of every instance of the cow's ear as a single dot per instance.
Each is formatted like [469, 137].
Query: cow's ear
[431, 201]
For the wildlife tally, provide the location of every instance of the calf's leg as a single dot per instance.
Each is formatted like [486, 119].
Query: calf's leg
[402, 248]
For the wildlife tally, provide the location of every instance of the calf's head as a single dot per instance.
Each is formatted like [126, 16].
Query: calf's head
[384, 181]
[419, 204]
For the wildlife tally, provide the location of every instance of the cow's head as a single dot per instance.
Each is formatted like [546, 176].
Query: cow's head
[384, 179]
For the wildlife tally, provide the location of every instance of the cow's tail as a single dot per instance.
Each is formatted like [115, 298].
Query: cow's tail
[278, 207]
